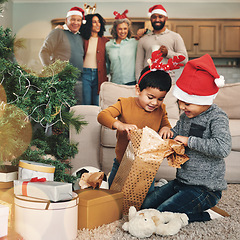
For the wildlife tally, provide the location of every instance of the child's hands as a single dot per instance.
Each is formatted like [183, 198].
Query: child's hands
[182, 139]
[124, 127]
[165, 132]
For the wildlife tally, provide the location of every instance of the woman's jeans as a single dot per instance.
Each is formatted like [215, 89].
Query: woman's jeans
[114, 171]
[178, 197]
[90, 86]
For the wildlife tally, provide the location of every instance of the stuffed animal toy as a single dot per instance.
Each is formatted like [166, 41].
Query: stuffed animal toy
[146, 222]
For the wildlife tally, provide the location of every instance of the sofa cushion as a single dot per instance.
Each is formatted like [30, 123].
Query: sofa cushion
[110, 92]
[227, 100]
[235, 133]
[108, 137]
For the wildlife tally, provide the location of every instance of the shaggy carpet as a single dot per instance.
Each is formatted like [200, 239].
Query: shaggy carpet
[227, 228]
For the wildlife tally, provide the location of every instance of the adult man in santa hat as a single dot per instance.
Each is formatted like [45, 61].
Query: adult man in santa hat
[170, 43]
[66, 45]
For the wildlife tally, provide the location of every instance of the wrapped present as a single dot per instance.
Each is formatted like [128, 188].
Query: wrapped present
[4, 213]
[8, 173]
[30, 169]
[48, 190]
[40, 219]
[98, 207]
[142, 158]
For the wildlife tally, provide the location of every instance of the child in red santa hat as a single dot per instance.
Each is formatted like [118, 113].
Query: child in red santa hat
[203, 128]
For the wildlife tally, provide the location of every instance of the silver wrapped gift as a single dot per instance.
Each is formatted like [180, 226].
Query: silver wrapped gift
[48, 190]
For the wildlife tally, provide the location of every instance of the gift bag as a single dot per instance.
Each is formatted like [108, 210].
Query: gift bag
[142, 158]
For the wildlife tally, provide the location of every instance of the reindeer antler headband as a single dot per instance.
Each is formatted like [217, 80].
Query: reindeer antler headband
[156, 64]
[89, 9]
[120, 16]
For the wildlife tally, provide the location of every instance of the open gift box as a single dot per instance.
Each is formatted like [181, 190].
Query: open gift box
[142, 158]
[98, 207]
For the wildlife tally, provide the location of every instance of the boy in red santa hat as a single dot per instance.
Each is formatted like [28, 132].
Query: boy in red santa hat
[203, 128]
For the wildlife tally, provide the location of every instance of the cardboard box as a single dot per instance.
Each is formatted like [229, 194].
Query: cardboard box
[98, 207]
[8, 173]
[40, 219]
[30, 169]
[49, 190]
[4, 212]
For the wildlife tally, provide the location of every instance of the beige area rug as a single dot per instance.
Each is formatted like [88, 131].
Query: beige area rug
[227, 228]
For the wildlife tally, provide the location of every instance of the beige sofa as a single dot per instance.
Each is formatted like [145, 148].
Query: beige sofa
[96, 143]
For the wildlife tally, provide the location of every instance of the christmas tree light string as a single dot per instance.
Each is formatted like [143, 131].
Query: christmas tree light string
[48, 95]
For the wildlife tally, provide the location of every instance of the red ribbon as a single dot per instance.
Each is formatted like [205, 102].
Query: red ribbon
[25, 183]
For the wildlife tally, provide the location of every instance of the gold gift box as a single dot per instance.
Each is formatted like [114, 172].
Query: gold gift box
[98, 207]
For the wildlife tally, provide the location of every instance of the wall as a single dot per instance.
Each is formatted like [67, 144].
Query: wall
[6, 19]
[28, 13]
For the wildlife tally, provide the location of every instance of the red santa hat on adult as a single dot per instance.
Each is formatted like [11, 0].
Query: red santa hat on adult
[199, 82]
[158, 9]
[76, 11]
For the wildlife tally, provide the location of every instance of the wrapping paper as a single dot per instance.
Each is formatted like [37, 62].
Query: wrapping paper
[30, 169]
[93, 180]
[143, 156]
[49, 190]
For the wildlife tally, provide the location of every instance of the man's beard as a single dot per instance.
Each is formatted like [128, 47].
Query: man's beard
[158, 27]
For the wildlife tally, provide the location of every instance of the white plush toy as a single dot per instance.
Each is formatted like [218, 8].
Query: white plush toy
[145, 222]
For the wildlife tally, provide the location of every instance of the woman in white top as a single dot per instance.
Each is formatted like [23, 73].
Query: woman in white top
[94, 65]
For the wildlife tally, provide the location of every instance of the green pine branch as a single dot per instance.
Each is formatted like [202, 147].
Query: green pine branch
[44, 100]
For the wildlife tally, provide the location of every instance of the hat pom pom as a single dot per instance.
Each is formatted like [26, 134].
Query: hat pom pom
[220, 81]
[84, 21]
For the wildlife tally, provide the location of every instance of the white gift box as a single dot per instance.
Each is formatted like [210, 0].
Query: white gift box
[38, 219]
[30, 169]
[49, 190]
[4, 212]
[8, 173]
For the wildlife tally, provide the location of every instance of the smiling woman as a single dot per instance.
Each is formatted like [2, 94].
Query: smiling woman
[94, 65]
[121, 51]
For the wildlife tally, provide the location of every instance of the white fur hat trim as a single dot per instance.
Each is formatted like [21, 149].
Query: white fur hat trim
[71, 13]
[194, 99]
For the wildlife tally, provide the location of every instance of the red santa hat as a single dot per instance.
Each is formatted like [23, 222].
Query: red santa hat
[76, 11]
[199, 82]
[158, 9]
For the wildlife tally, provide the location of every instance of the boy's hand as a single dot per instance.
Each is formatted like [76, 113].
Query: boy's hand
[124, 127]
[165, 132]
[182, 139]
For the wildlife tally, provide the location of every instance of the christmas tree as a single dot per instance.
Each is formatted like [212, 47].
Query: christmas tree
[34, 111]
